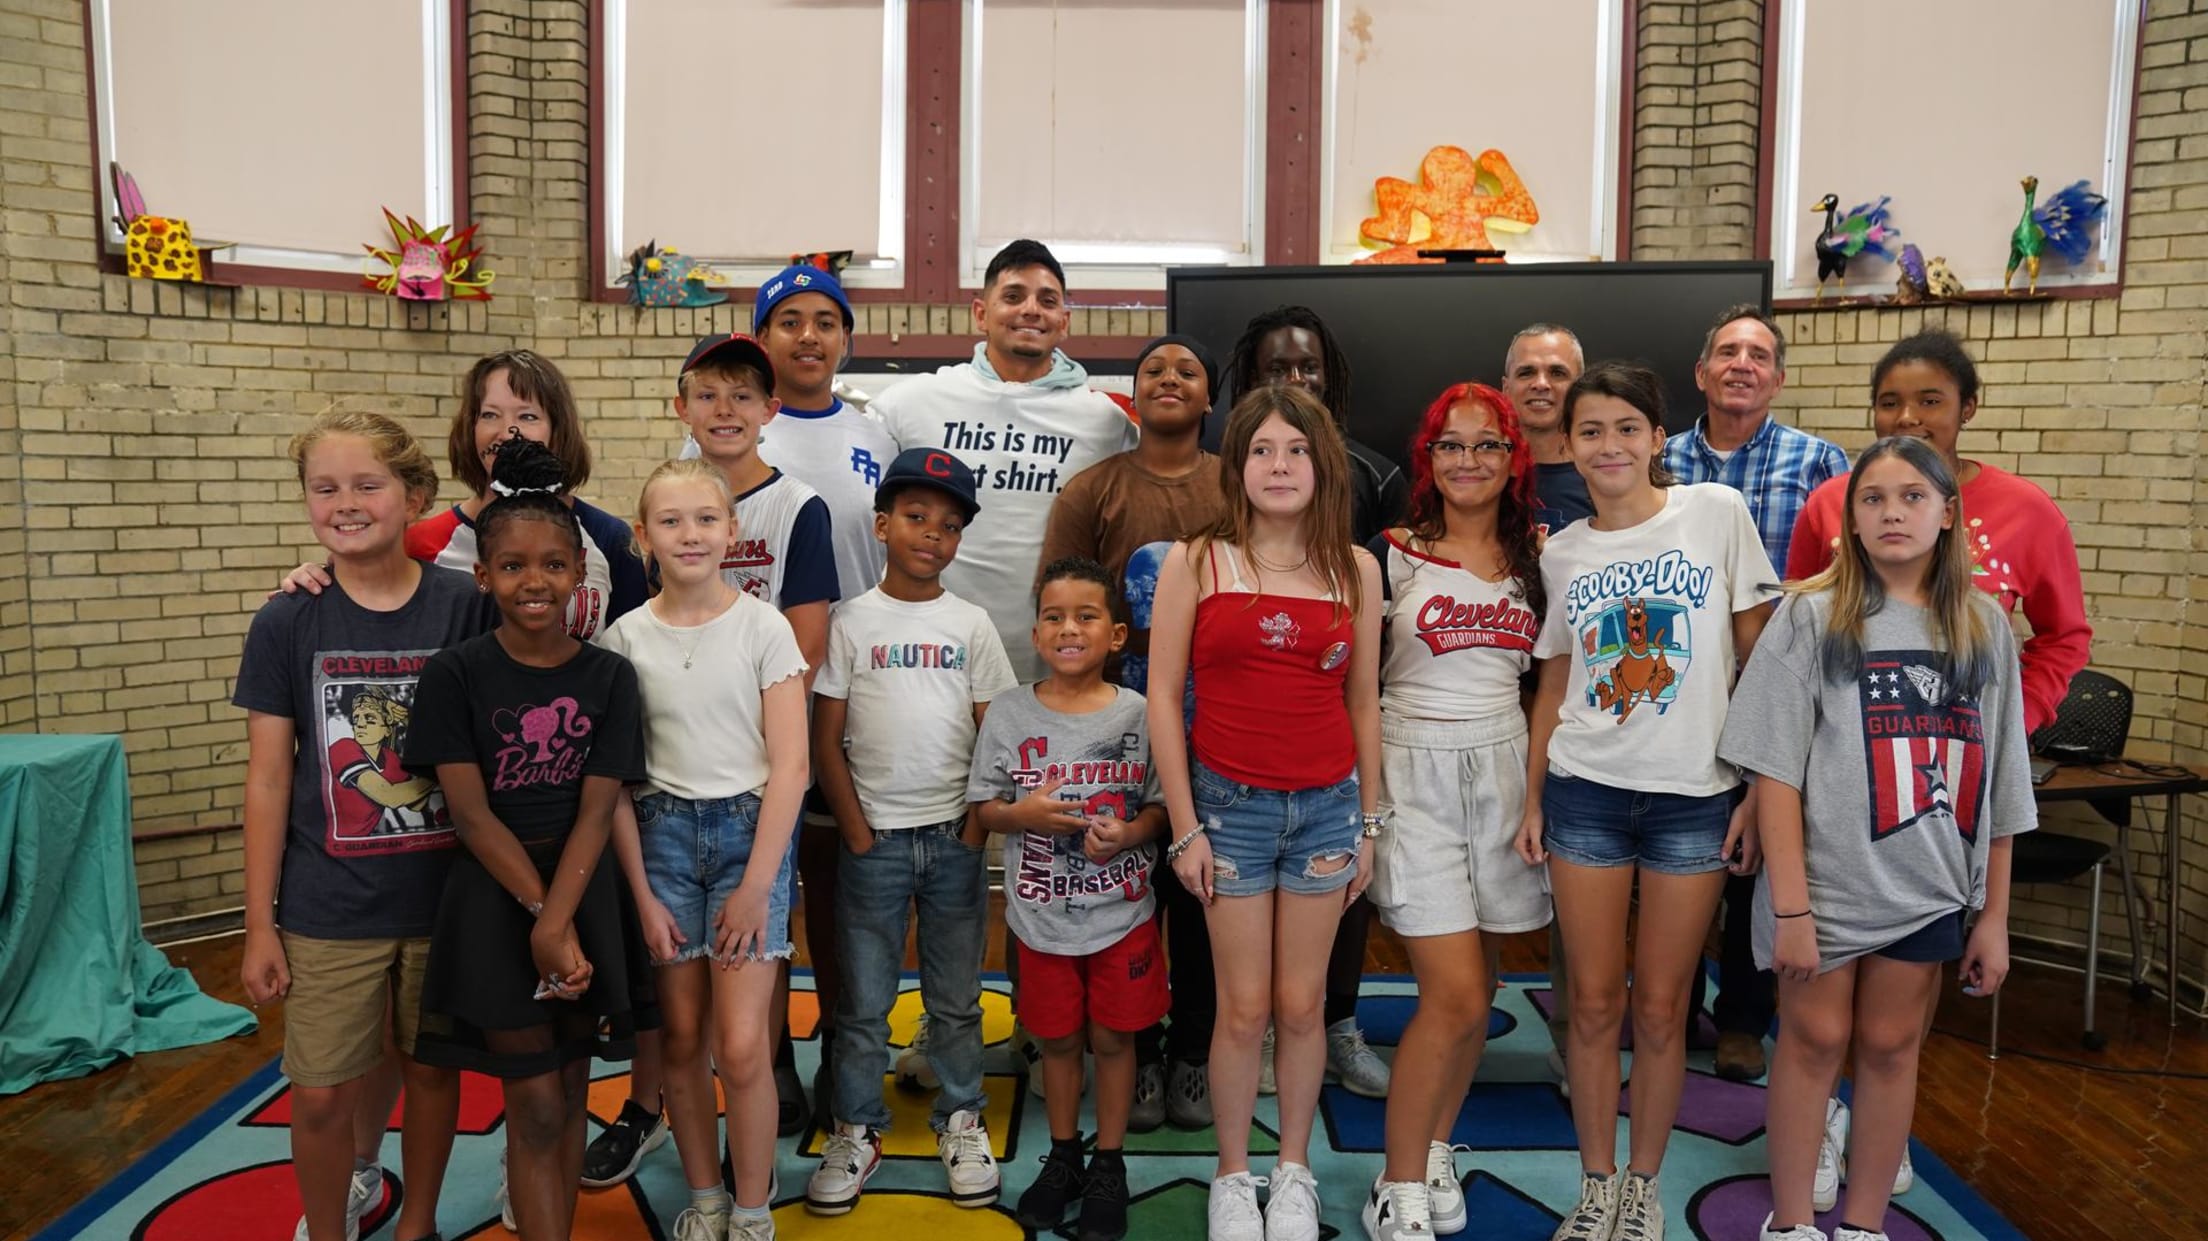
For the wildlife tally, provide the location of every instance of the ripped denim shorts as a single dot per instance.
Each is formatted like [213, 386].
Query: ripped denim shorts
[1301, 840]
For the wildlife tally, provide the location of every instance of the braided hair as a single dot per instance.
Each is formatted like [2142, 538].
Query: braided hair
[528, 482]
[1242, 363]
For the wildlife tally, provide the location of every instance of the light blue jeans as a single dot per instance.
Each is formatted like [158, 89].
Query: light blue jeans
[876, 891]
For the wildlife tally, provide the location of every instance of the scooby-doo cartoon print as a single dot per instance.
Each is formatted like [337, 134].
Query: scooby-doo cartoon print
[1636, 652]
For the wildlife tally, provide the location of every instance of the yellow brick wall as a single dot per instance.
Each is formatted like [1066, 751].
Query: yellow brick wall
[145, 506]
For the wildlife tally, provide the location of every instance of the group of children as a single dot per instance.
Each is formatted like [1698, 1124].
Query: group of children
[1322, 722]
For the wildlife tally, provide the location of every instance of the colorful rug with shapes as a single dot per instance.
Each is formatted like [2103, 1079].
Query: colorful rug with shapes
[226, 1174]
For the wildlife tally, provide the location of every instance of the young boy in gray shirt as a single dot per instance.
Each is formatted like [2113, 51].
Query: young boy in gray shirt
[1062, 772]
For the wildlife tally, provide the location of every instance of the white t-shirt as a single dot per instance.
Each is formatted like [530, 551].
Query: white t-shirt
[839, 452]
[703, 729]
[1457, 643]
[1647, 616]
[783, 551]
[1024, 442]
[911, 674]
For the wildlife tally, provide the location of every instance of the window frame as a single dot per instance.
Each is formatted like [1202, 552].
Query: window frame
[445, 130]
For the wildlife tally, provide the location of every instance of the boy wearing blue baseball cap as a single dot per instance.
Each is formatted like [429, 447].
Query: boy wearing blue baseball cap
[911, 670]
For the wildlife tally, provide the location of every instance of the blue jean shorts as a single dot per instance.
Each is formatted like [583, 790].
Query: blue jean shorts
[695, 855]
[1262, 839]
[1588, 823]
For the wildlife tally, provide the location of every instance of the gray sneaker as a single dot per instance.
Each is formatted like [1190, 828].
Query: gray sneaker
[1265, 1081]
[1360, 1069]
[1148, 1110]
[1188, 1096]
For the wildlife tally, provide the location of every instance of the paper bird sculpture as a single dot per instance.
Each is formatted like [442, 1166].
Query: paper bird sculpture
[1863, 230]
[2064, 225]
[1457, 200]
[427, 264]
[668, 277]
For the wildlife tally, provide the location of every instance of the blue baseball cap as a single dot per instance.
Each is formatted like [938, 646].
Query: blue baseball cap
[791, 281]
[928, 467]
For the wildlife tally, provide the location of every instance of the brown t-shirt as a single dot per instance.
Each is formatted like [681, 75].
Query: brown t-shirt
[1115, 506]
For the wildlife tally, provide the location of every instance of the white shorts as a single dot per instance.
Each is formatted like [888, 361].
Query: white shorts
[1445, 864]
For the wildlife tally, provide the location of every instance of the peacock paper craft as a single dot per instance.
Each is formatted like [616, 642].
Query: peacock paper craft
[428, 264]
[1864, 230]
[2065, 225]
[1456, 201]
[668, 277]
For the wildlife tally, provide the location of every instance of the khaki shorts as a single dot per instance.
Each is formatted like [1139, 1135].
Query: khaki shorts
[345, 993]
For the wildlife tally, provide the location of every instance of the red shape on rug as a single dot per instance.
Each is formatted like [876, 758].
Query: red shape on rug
[250, 1204]
[482, 1105]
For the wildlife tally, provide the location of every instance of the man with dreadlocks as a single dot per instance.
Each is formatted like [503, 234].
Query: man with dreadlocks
[1291, 345]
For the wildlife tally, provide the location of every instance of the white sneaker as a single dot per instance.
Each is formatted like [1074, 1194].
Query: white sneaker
[751, 1227]
[505, 1201]
[967, 1161]
[1397, 1211]
[1559, 1072]
[1266, 1083]
[1846, 1233]
[696, 1225]
[1444, 1192]
[1232, 1213]
[1595, 1218]
[1824, 1192]
[1836, 1129]
[1640, 1211]
[364, 1192]
[1348, 1058]
[1292, 1209]
[1799, 1232]
[847, 1162]
[913, 1071]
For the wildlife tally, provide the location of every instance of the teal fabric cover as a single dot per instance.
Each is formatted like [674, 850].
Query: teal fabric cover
[80, 988]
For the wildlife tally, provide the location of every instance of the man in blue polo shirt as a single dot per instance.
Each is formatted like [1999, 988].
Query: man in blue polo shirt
[1774, 466]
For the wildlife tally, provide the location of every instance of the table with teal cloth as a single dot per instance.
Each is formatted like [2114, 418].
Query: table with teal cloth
[80, 988]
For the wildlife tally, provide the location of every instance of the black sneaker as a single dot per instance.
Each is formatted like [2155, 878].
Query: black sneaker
[789, 1098]
[1104, 1198]
[1057, 1187]
[613, 1155]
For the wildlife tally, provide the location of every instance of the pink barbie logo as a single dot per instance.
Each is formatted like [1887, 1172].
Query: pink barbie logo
[541, 744]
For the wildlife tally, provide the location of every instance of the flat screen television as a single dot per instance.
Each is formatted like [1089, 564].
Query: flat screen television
[1411, 331]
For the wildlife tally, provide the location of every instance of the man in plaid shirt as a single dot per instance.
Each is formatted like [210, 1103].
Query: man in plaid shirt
[1736, 442]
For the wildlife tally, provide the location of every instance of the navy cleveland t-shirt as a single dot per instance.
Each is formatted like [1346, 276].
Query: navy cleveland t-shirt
[369, 842]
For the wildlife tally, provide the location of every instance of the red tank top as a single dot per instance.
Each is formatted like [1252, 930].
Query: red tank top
[1270, 671]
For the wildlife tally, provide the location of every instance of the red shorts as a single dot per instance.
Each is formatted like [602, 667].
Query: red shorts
[1120, 988]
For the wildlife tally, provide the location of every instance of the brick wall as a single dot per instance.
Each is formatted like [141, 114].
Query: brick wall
[141, 428]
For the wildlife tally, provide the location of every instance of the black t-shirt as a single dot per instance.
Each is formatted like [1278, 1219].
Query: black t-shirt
[1378, 491]
[369, 842]
[534, 732]
[1560, 496]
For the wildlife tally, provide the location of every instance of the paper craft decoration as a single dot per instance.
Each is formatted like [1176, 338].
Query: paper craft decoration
[1864, 230]
[427, 264]
[155, 247]
[669, 277]
[831, 261]
[2064, 225]
[1457, 200]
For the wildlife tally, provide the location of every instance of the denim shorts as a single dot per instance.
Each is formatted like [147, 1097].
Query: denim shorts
[695, 854]
[1588, 823]
[1262, 839]
[1935, 943]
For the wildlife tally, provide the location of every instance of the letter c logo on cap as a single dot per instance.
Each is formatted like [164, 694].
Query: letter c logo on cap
[937, 464]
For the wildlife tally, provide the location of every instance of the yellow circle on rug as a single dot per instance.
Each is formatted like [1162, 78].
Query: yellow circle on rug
[996, 1016]
[896, 1212]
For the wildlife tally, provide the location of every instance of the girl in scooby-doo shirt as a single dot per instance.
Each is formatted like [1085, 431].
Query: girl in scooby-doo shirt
[1651, 603]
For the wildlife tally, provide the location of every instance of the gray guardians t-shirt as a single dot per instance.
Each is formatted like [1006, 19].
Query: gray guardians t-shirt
[1057, 900]
[1904, 786]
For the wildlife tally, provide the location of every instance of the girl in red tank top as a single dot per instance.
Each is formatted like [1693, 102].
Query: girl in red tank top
[1278, 615]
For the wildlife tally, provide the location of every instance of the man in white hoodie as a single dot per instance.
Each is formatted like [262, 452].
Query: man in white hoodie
[1022, 416]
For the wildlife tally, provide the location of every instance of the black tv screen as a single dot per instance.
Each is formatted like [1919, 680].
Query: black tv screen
[1411, 331]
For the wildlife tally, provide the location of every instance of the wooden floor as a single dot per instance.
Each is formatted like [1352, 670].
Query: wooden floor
[2068, 1154]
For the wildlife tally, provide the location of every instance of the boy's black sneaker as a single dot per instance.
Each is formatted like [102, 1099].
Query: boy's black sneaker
[1057, 1187]
[613, 1155]
[1104, 1198]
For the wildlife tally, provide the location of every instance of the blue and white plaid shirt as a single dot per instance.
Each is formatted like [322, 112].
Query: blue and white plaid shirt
[1774, 471]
